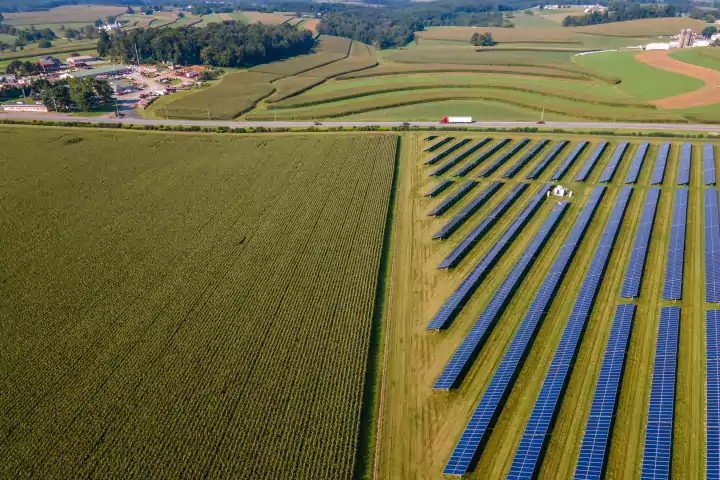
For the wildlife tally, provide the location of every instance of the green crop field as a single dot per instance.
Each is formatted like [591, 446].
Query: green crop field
[187, 306]
[704, 57]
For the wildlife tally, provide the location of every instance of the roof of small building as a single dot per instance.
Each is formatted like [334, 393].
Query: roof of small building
[107, 70]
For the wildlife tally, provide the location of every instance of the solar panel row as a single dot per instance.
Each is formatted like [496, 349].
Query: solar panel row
[661, 414]
[439, 188]
[709, 163]
[545, 162]
[658, 173]
[684, 168]
[591, 162]
[430, 137]
[712, 361]
[525, 159]
[612, 165]
[473, 342]
[569, 160]
[468, 286]
[636, 264]
[453, 199]
[712, 247]
[459, 158]
[528, 456]
[596, 440]
[500, 161]
[672, 289]
[439, 144]
[473, 164]
[447, 151]
[488, 410]
[637, 163]
[468, 211]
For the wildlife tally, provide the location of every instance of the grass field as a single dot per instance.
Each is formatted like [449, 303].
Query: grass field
[705, 57]
[70, 14]
[187, 306]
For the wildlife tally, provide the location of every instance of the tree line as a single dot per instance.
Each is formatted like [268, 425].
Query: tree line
[620, 12]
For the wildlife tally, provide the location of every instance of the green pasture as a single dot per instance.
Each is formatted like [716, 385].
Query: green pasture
[708, 57]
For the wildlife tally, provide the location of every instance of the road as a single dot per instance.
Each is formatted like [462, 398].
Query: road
[286, 124]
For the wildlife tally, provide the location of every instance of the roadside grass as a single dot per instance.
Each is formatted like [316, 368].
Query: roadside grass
[708, 57]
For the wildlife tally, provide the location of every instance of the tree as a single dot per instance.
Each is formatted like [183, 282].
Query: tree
[482, 40]
[110, 19]
[180, 15]
[44, 43]
[146, 10]
[709, 31]
[529, 12]
[99, 22]
[130, 10]
[82, 94]
[1, 17]
[103, 90]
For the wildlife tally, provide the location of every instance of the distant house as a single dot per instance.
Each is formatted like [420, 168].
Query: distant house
[49, 64]
[109, 27]
[25, 107]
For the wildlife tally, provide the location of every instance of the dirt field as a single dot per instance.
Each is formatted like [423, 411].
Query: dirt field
[707, 95]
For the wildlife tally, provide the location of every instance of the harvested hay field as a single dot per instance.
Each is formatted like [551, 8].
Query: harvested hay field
[267, 18]
[505, 35]
[330, 49]
[644, 28]
[69, 14]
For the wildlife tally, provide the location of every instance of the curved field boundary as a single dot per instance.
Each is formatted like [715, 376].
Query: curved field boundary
[384, 71]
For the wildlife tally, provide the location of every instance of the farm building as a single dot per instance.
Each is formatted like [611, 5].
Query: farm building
[80, 61]
[122, 86]
[49, 64]
[98, 72]
[25, 107]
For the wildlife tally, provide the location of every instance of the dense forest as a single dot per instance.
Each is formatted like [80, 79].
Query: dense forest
[620, 12]
[226, 44]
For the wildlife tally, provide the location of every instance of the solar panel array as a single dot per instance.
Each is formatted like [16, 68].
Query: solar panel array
[596, 440]
[545, 162]
[468, 211]
[612, 165]
[672, 289]
[525, 159]
[430, 137]
[473, 164]
[439, 144]
[637, 163]
[467, 243]
[569, 160]
[447, 151]
[439, 188]
[527, 458]
[459, 158]
[712, 362]
[591, 162]
[500, 161]
[712, 247]
[709, 163]
[684, 168]
[468, 286]
[638, 256]
[453, 199]
[658, 173]
[661, 415]
[488, 410]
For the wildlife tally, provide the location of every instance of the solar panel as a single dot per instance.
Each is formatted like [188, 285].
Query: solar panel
[459, 158]
[488, 410]
[474, 163]
[684, 169]
[439, 188]
[658, 173]
[528, 456]
[545, 162]
[672, 289]
[637, 163]
[525, 159]
[596, 439]
[712, 247]
[569, 160]
[638, 256]
[468, 286]
[468, 211]
[709, 164]
[439, 144]
[470, 346]
[591, 162]
[453, 199]
[661, 414]
[712, 362]
[612, 165]
[500, 161]
[447, 151]
[430, 137]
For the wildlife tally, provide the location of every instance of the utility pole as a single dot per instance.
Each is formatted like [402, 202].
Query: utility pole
[137, 57]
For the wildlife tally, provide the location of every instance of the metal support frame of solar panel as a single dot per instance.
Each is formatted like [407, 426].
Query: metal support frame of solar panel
[658, 174]
[439, 144]
[479, 231]
[638, 255]
[439, 188]
[596, 439]
[490, 406]
[457, 300]
[467, 211]
[637, 163]
[672, 289]
[500, 161]
[453, 199]
[661, 414]
[448, 151]
[537, 431]
[712, 247]
[545, 162]
[525, 159]
[458, 158]
[569, 160]
[712, 362]
[609, 172]
[591, 162]
[709, 164]
[473, 342]
[474, 163]
[683, 177]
